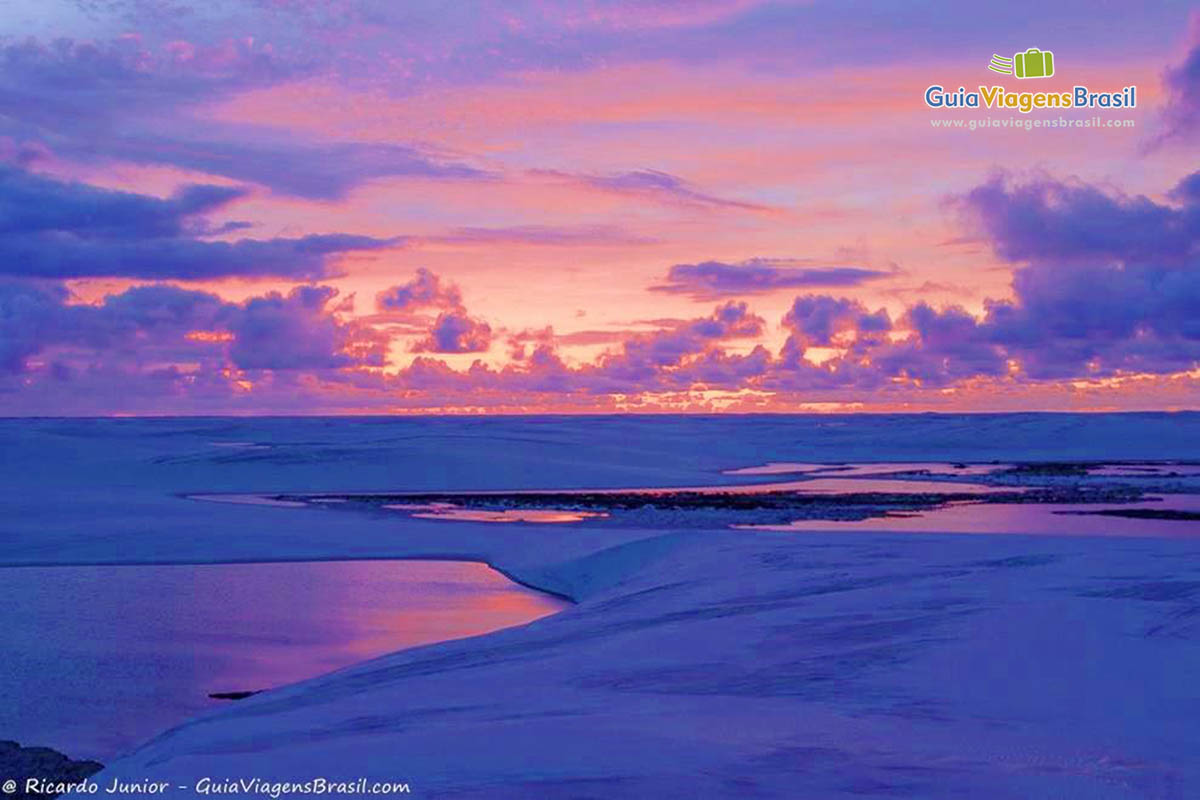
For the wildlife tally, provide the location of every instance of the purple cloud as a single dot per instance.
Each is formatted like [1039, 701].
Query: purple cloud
[1044, 218]
[309, 170]
[55, 229]
[1107, 283]
[46, 256]
[426, 290]
[53, 86]
[296, 332]
[31, 203]
[710, 280]
[815, 320]
[1187, 191]
[1084, 304]
[146, 323]
[453, 331]
[1181, 116]
[28, 319]
[456, 332]
[136, 102]
[677, 357]
[664, 185]
[156, 323]
[478, 42]
[947, 345]
[650, 359]
[661, 187]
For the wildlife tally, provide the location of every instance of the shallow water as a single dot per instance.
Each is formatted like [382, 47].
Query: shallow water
[878, 468]
[447, 511]
[99, 659]
[1169, 469]
[845, 480]
[1038, 519]
[891, 486]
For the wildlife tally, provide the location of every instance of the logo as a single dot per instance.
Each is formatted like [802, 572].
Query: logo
[1033, 63]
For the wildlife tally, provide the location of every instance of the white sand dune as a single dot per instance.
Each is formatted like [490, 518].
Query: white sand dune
[706, 663]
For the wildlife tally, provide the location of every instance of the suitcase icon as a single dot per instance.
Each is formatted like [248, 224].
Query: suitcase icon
[1034, 63]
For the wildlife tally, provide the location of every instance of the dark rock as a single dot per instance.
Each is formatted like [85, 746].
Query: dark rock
[22, 763]
[1052, 468]
[233, 695]
[1140, 513]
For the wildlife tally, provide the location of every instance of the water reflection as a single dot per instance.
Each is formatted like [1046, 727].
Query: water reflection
[449, 511]
[243, 499]
[99, 659]
[1053, 519]
[890, 486]
[857, 470]
[1160, 470]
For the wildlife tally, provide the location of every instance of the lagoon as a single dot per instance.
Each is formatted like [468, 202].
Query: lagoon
[99, 659]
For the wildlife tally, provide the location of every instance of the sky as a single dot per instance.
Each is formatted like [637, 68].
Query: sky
[365, 206]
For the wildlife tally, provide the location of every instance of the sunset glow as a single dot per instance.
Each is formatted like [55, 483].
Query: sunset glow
[625, 205]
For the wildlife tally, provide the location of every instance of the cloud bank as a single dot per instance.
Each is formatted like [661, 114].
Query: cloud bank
[711, 280]
[1104, 285]
[56, 229]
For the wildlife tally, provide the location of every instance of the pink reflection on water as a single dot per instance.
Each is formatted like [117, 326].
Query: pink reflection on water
[1042, 519]
[247, 500]
[449, 511]
[816, 486]
[857, 470]
[892, 486]
[98, 659]
[779, 468]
